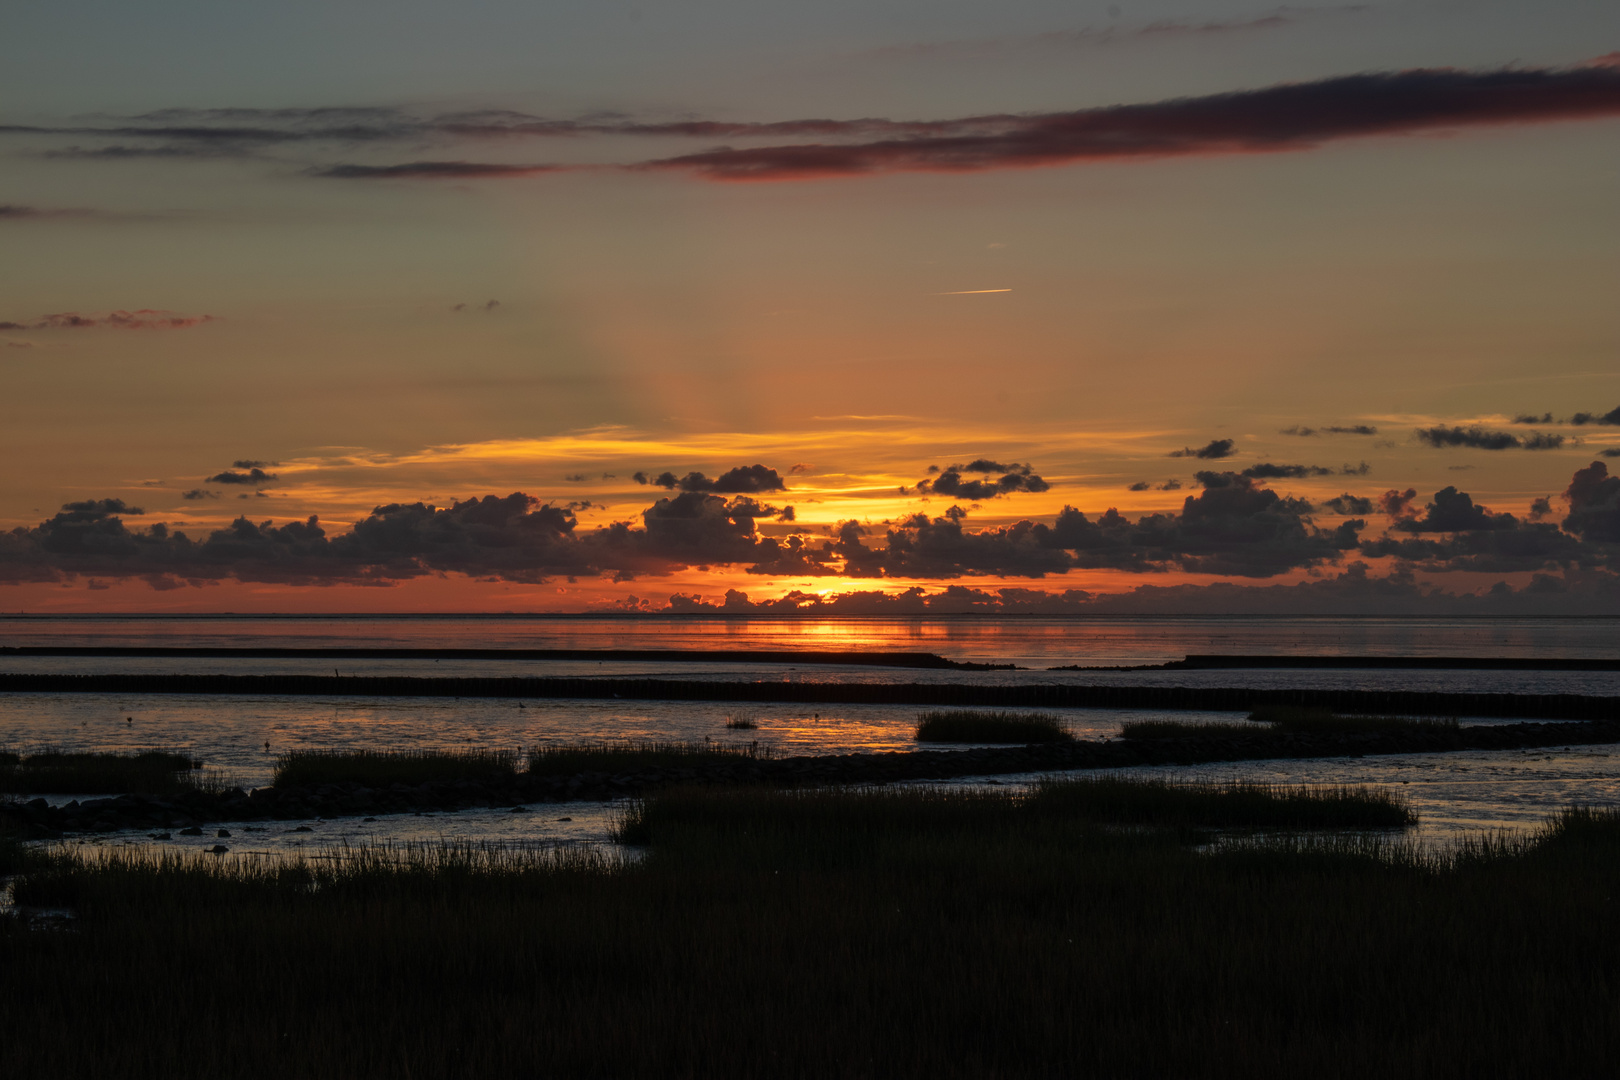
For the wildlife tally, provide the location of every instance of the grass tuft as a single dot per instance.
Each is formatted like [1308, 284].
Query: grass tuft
[742, 723]
[961, 725]
[635, 756]
[378, 768]
[57, 772]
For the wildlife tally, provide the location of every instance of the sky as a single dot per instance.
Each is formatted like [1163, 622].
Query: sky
[878, 307]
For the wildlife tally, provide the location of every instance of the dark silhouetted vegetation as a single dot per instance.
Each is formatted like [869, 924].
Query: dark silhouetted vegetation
[742, 723]
[380, 768]
[629, 757]
[963, 725]
[1286, 719]
[851, 934]
[57, 772]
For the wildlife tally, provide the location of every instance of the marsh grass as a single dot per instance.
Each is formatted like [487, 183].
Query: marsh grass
[630, 757]
[835, 933]
[1294, 720]
[150, 772]
[742, 723]
[1105, 800]
[1325, 720]
[967, 726]
[381, 768]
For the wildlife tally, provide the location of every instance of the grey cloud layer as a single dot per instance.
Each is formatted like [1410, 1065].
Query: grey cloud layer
[1289, 117]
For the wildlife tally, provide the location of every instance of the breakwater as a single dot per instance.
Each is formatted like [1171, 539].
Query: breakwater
[1034, 696]
[780, 657]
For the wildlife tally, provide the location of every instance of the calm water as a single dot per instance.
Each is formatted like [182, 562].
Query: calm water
[1452, 792]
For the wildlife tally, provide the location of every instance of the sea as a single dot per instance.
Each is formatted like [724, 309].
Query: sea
[239, 737]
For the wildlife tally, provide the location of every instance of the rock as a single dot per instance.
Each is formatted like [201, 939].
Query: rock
[159, 836]
[302, 828]
[218, 849]
[223, 833]
[192, 831]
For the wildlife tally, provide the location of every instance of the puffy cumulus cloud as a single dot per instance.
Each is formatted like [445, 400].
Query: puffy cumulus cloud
[999, 479]
[1455, 511]
[1479, 438]
[1594, 504]
[743, 480]
[1140, 485]
[1234, 527]
[1455, 533]
[141, 319]
[1610, 417]
[1214, 450]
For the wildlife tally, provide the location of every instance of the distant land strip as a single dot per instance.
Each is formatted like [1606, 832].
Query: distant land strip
[712, 656]
[1049, 695]
[1209, 661]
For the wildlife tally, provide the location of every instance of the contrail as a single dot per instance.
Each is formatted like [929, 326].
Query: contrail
[970, 292]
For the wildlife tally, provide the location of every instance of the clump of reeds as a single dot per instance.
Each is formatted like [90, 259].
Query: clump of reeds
[742, 722]
[1234, 804]
[382, 768]
[151, 772]
[1104, 800]
[1285, 718]
[963, 725]
[634, 756]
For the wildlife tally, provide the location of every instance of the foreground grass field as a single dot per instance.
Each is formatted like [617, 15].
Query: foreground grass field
[1079, 931]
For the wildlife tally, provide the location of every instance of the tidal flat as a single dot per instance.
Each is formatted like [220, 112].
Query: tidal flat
[1101, 927]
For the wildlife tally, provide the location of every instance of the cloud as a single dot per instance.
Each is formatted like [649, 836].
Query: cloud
[1594, 504]
[432, 170]
[1233, 527]
[951, 482]
[1296, 116]
[1268, 471]
[253, 476]
[1610, 417]
[1299, 430]
[749, 480]
[1140, 485]
[1397, 504]
[1213, 451]
[250, 463]
[1170, 485]
[198, 493]
[1532, 418]
[142, 319]
[1455, 511]
[1353, 429]
[1480, 438]
[1350, 505]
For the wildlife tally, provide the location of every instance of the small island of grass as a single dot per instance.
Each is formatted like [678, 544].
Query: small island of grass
[967, 726]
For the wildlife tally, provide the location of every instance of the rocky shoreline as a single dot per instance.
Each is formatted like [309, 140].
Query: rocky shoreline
[38, 820]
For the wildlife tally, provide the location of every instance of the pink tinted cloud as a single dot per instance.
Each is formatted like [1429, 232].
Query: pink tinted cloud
[140, 319]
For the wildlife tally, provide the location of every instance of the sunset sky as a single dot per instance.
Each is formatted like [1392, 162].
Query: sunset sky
[809, 300]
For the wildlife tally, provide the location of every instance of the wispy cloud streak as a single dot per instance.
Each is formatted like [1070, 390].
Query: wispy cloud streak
[1289, 117]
